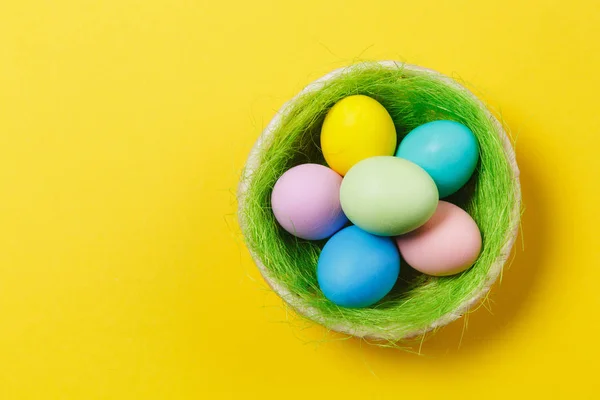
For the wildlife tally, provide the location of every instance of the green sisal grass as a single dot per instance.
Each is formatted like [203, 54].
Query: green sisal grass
[412, 99]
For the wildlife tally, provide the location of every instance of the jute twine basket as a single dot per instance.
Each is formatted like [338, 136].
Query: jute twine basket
[365, 331]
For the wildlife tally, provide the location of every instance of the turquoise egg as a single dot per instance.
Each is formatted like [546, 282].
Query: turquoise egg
[357, 269]
[447, 150]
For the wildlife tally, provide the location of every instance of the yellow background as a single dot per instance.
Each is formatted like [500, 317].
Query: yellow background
[123, 128]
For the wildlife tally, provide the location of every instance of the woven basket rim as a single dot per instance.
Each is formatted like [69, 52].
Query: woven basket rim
[364, 332]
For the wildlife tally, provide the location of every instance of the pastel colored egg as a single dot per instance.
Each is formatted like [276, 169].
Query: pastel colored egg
[388, 196]
[357, 269]
[447, 150]
[447, 244]
[355, 128]
[306, 201]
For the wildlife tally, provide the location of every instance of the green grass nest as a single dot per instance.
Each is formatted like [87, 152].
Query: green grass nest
[413, 96]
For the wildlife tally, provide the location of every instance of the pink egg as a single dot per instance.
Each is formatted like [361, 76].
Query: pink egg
[306, 201]
[447, 244]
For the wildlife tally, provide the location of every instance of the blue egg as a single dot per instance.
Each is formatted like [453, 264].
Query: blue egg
[447, 150]
[357, 269]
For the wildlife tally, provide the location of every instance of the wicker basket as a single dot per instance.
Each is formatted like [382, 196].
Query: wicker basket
[296, 302]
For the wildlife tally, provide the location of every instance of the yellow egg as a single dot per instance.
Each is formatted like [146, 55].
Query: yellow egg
[356, 127]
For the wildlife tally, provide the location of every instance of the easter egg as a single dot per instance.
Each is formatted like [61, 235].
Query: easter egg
[388, 196]
[447, 244]
[447, 150]
[357, 269]
[355, 128]
[306, 202]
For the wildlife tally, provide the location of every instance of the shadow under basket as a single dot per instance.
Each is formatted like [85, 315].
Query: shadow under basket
[413, 96]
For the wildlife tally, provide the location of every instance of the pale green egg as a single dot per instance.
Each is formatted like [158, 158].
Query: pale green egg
[388, 196]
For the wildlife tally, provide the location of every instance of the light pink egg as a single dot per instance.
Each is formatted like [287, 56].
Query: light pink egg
[306, 201]
[447, 244]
